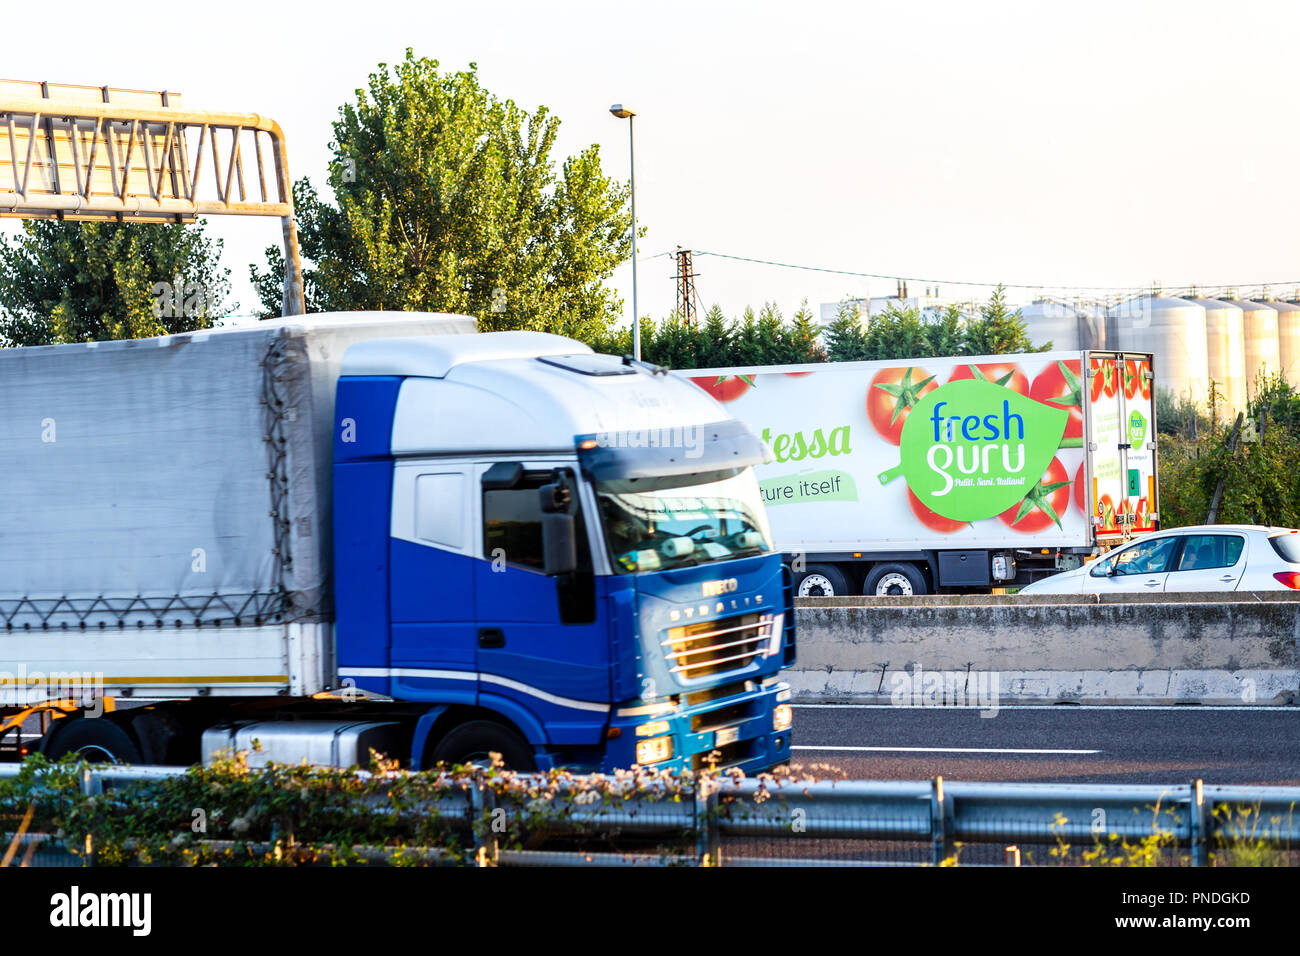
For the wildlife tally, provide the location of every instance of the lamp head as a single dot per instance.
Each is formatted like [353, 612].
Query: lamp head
[621, 111]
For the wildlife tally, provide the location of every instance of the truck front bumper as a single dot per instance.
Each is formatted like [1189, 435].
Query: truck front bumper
[740, 730]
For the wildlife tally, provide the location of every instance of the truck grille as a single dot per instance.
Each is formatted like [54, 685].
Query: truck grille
[715, 647]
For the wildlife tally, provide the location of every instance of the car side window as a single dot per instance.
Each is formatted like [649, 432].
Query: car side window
[1147, 557]
[1211, 551]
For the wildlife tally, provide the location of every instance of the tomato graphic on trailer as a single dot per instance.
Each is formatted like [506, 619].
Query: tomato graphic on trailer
[1142, 520]
[1044, 504]
[725, 388]
[1135, 380]
[893, 393]
[1060, 386]
[1104, 378]
[935, 522]
[999, 373]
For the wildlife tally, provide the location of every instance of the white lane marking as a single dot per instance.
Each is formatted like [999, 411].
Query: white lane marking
[950, 750]
[1062, 708]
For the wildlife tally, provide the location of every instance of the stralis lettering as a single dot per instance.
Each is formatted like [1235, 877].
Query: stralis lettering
[75, 908]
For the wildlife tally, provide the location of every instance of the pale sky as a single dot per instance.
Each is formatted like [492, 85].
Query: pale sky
[1099, 144]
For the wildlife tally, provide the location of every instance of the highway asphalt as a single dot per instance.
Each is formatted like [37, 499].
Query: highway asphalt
[1051, 744]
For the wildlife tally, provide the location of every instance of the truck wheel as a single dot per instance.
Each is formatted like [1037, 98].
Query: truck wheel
[894, 579]
[474, 741]
[96, 740]
[822, 580]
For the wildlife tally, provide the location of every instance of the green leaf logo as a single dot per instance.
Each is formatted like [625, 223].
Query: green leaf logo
[973, 449]
[1137, 428]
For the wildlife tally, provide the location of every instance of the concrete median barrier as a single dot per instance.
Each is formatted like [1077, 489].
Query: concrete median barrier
[981, 650]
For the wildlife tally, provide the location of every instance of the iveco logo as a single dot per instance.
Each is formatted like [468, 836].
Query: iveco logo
[725, 586]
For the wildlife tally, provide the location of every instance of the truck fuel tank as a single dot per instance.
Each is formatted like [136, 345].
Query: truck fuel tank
[328, 743]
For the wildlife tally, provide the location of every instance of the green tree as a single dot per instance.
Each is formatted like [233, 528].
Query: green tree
[747, 344]
[946, 335]
[773, 338]
[998, 330]
[897, 333]
[448, 200]
[804, 336]
[91, 281]
[715, 347]
[846, 340]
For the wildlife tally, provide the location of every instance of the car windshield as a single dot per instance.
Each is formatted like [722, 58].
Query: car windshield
[682, 520]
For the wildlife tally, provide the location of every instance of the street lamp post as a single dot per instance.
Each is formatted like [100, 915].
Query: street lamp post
[622, 112]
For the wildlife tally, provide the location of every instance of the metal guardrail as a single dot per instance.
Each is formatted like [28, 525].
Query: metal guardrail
[938, 815]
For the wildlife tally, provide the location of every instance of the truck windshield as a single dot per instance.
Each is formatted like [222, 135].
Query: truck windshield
[681, 520]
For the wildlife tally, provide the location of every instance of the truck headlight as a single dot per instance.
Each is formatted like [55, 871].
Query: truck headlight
[782, 717]
[654, 751]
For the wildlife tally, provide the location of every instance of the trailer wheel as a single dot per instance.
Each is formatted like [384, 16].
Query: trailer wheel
[822, 580]
[95, 739]
[471, 743]
[887, 580]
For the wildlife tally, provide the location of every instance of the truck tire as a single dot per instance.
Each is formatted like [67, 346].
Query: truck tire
[97, 741]
[821, 580]
[894, 580]
[472, 742]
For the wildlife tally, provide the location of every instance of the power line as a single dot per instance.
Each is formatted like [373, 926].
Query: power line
[1039, 286]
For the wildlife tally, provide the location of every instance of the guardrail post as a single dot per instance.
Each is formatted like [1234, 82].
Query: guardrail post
[940, 823]
[1011, 856]
[707, 845]
[91, 786]
[1200, 819]
[483, 803]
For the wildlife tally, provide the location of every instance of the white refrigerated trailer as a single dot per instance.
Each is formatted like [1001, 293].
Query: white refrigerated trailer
[949, 474]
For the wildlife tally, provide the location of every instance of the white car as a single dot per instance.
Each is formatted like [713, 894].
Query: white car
[1219, 557]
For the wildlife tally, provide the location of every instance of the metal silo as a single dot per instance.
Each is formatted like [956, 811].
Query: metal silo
[1288, 338]
[1056, 323]
[1259, 323]
[1094, 316]
[1173, 330]
[1225, 347]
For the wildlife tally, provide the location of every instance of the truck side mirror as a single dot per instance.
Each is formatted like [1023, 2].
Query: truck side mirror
[559, 531]
[556, 497]
[559, 543]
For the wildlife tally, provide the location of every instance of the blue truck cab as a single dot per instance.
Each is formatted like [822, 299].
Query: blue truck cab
[555, 555]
